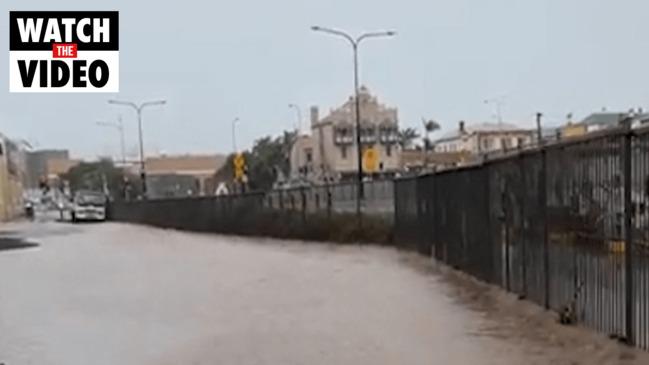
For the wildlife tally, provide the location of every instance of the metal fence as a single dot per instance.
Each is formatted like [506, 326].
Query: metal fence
[378, 199]
[260, 213]
[551, 224]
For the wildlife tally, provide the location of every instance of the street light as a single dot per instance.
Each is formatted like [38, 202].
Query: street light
[119, 126]
[138, 110]
[299, 116]
[234, 135]
[354, 42]
[298, 129]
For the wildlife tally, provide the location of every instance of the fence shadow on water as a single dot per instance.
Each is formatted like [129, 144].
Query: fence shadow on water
[550, 224]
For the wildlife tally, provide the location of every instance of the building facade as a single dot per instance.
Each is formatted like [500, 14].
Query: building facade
[593, 123]
[484, 138]
[39, 164]
[12, 178]
[329, 152]
[180, 175]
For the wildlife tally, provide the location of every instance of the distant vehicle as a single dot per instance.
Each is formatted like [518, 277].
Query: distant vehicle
[29, 209]
[88, 206]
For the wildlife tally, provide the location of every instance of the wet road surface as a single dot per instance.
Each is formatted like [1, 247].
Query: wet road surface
[124, 294]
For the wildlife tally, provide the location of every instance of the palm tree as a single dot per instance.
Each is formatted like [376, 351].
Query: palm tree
[429, 126]
[406, 136]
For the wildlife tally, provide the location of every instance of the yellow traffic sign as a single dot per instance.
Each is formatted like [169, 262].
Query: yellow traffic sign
[239, 163]
[370, 160]
[239, 160]
[238, 173]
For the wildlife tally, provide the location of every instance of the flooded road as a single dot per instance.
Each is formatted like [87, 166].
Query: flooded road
[123, 294]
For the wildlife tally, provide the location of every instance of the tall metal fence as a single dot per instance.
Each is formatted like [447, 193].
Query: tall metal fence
[378, 198]
[298, 211]
[566, 225]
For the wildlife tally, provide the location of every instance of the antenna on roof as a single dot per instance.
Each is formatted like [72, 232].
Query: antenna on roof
[498, 103]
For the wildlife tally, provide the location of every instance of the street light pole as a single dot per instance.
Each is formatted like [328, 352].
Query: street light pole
[138, 110]
[498, 103]
[119, 126]
[298, 129]
[354, 42]
[234, 135]
[299, 117]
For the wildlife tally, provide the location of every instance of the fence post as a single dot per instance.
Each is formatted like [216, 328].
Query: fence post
[490, 234]
[544, 217]
[628, 234]
[395, 211]
[433, 213]
[420, 198]
[328, 201]
[523, 229]
[505, 226]
[303, 196]
[281, 200]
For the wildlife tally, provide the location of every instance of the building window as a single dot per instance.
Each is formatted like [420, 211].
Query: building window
[343, 134]
[521, 142]
[388, 132]
[485, 144]
[368, 133]
[388, 150]
[309, 155]
[343, 152]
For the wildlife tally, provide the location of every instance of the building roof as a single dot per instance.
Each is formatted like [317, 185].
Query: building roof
[603, 119]
[346, 110]
[184, 164]
[487, 127]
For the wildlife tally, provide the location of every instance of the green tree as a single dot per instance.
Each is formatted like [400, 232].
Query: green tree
[101, 175]
[267, 156]
[430, 126]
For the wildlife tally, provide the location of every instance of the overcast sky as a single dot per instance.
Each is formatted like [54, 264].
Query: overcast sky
[217, 60]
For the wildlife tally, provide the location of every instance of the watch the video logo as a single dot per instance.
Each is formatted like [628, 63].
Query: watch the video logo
[63, 51]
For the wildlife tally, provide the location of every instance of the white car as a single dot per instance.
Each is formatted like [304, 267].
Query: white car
[88, 206]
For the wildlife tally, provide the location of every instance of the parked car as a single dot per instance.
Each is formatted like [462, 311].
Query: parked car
[88, 206]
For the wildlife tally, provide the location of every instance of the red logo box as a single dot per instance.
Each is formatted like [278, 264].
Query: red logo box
[64, 50]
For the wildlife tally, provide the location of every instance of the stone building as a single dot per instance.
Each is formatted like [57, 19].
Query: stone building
[329, 152]
[484, 138]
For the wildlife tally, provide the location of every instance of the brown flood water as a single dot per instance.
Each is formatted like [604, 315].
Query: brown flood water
[123, 294]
